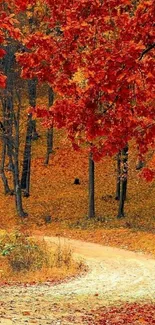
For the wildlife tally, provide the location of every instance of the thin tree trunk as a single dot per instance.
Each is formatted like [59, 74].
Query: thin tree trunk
[49, 131]
[14, 149]
[15, 162]
[13, 152]
[139, 164]
[124, 177]
[10, 121]
[49, 145]
[25, 180]
[32, 91]
[7, 109]
[2, 171]
[118, 185]
[30, 133]
[91, 210]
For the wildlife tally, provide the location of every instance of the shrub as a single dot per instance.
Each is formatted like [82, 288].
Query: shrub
[63, 257]
[23, 260]
[23, 253]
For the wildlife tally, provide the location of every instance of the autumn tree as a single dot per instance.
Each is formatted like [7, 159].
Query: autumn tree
[12, 33]
[11, 115]
[112, 44]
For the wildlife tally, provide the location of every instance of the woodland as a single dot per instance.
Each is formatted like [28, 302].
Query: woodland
[77, 137]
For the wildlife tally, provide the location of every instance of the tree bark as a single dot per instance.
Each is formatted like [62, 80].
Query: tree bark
[17, 186]
[124, 177]
[13, 152]
[50, 131]
[118, 184]
[32, 91]
[91, 209]
[11, 125]
[25, 180]
[139, 164]
[30, 134]
[2, 171]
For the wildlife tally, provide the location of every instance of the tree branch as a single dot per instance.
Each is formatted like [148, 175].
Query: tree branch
[147, 50]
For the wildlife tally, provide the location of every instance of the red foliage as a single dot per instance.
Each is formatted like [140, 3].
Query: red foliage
[147, 174]
[8, 31]
[112, 43]
[127, 314]
[2, 81]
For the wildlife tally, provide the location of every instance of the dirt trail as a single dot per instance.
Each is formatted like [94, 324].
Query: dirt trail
[114, 275]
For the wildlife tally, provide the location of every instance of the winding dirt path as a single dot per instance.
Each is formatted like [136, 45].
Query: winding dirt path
[114, 275]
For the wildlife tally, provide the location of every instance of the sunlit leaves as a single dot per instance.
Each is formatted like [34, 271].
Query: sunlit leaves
[147, 174]
[103, 43]
[2, 81]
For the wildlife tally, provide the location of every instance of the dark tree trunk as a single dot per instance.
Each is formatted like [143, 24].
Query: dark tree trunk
[49, 145]
[91, 210]
[118, 184]
[14, 157]
[49, 131]
[7, 65]
[2, 171]
[31, 134]
[124, 177]
[16, 180]
[25, 180]
[13, 153]
[32, 91]
[14, 148]
[10, 121]
[139, 164]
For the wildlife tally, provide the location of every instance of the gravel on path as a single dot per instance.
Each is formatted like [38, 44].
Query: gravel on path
[114, 275]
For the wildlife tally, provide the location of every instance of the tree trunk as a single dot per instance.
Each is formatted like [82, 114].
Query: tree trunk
[49, 131]
[118, 184]
[14, 149]
[91, 210]
[15, 162]
[2, 172]
[25, 180]
[32, 91]
[7, 65]
[49, 145]
[10, 121]
[13, 152]
[139, 164]
[124, 175]
[31, 134]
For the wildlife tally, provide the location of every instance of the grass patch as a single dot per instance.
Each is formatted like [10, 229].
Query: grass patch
[25, 260]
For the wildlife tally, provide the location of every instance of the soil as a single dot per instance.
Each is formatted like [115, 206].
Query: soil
[114, 276]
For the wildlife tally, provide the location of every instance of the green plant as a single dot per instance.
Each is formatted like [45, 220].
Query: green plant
[22, 253]
[24, 260]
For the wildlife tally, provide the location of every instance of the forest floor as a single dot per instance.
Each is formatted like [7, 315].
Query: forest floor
[54, 194]
[115, 277]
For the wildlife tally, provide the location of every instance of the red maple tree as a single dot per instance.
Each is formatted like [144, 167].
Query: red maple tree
[112, 44]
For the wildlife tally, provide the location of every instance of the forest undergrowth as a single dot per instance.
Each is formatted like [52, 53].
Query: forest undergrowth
[28, 261]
